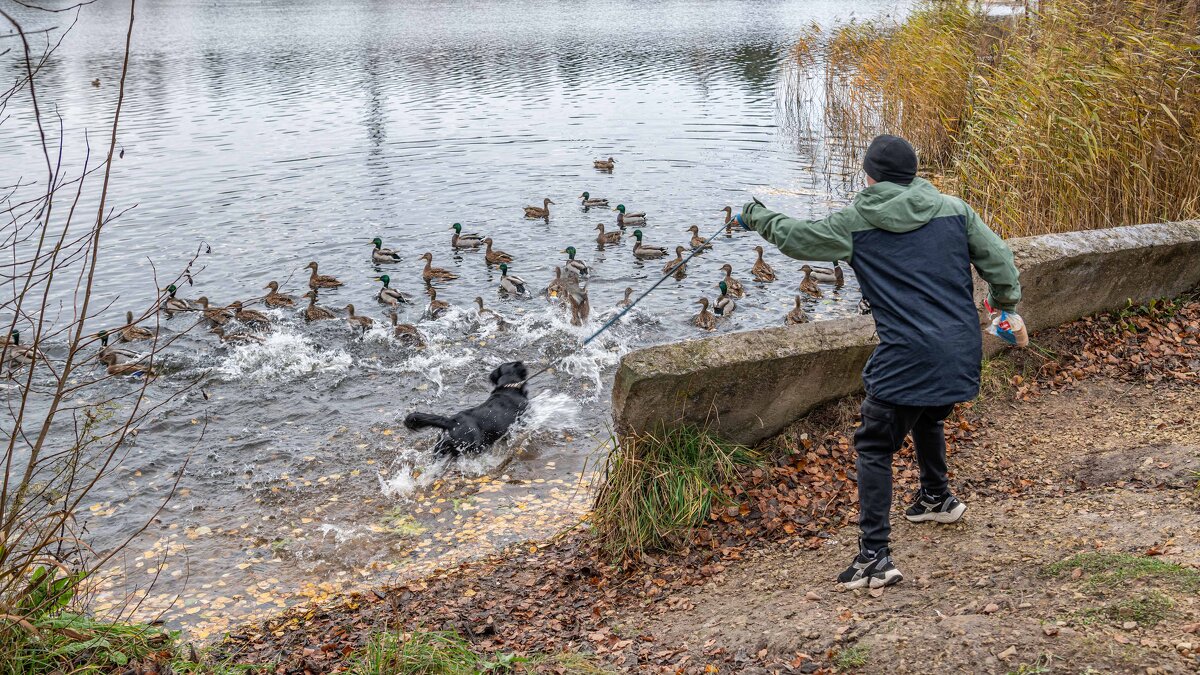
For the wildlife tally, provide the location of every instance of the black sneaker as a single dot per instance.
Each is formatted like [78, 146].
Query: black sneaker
[871, 568]
[943, 509]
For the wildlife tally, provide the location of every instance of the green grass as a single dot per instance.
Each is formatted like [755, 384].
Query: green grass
[657, 487]
[1147, 610]
[851, 657]
[1115, 570]
[429, 653]
[1042, 666]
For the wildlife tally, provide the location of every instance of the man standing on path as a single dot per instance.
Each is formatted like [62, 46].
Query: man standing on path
[911, 248]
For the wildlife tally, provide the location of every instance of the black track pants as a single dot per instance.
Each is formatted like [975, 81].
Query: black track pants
[883, 429]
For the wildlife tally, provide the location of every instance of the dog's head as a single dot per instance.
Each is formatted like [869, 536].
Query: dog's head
[506, 374]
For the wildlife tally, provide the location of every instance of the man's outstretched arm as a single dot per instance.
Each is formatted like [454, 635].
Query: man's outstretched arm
[827, 239]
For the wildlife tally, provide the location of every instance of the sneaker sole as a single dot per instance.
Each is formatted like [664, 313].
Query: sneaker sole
[888, 578]
[944, 517]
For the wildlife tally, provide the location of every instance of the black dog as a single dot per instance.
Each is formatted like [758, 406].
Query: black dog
[476, 429]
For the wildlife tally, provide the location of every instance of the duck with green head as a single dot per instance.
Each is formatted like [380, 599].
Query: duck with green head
[588, 200]
[18, 354]
[173, 305]
[121, 353]
[577, 266]
[460, 240]
[383, 255]
[724, 305]
[511, 283]
[644, 251]
[388, 295]
[625, 218]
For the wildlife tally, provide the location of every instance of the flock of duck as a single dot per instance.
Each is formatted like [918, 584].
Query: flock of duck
[568, 288]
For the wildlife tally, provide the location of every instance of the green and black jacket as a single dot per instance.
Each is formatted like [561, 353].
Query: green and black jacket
[911, 248]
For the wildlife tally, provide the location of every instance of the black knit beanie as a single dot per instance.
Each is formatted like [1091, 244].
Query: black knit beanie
[891, 158]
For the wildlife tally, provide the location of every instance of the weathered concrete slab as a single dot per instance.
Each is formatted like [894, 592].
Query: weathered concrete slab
[749, 386]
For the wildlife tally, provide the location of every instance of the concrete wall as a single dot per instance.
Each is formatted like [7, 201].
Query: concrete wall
[749, 386]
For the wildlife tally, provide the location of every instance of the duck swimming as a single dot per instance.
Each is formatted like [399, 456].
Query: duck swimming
[430, 272]
[624, 218]
[735, 287]
[132, 332]
[627, 301]
[725, 304]
[511, 283]
[729, 221]
[355, 321]
[320, 280]
[705, 319]
[699, 243]
[460, 240]
[587, 200]
[808, 284]
[218, 316]
[826, 275]
[539, 212]
[555, 288]
[676, 266]
[173, 305]
[761, 270]
[643, 251]
[381, 254]
[797, 316]
[18, 354]
[388, 295]
[604, 164]
[577, 266]
[249, 316]
[495, 256]
[276, 299]
[406, 332]
[436, 307]
[315, 312]
[603, 238]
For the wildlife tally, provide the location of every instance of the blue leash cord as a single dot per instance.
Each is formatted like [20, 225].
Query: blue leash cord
[625, 310]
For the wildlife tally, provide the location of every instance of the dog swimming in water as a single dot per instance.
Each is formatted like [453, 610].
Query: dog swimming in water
[476, 429]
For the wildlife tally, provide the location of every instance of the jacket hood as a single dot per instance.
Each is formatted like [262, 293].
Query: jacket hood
[899, 208]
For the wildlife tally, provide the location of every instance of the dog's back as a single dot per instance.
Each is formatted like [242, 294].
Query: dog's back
[476, 429]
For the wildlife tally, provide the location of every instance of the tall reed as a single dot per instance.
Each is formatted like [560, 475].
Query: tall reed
[1074, 114]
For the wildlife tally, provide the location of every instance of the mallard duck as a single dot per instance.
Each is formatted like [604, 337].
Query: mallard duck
[460, 240]
[808, 284]
[485, 313]
[121, 353]
[588, 200]
[577, 299]
[436, 307]
[864, 307]
[555, 288]
[387, 294]
[18, 354]
[625, 218]
[626, 301]
[235, 338]
[761, 270]
[314, 312]
[356, 321]
[495, 256]
[729, 221]
[132, 332]
[173, 305]
[539, 212]
[577, 266]
[116, 368]
[705, 319]
[642, 250]
[699, 243]
[406, 332]
[676, 266]
[604, 164]
[381, 254]
[249, 316]
[430, 273]
[827, 275]
[511, 283]
[96, 82]
[724, 305]
[797, 316]
[218, 316]
[603, 238]
[276, 299]
[320, 280]
[735, 287]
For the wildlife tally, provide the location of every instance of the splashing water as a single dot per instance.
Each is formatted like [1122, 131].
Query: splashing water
[283, 355]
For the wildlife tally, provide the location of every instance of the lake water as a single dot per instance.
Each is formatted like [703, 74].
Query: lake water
[284, 131]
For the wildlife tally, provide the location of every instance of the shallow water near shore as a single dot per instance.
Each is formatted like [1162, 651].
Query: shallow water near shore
[282, 132]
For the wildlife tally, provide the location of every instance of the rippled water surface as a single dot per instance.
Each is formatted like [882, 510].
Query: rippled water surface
[286, 131]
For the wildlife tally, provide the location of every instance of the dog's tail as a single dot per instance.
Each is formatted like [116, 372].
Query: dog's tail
[419, 420]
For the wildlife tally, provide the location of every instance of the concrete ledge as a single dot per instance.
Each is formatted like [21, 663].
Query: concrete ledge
[749, 386]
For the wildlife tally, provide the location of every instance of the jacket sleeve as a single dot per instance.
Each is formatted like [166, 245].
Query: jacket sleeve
[994, 261]
[828, 239]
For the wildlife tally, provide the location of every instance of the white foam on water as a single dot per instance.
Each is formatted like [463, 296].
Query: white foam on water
[411, 477]
[282, 355]
[549, 411]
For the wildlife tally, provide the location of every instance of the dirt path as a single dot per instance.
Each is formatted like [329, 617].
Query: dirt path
[1103, 470]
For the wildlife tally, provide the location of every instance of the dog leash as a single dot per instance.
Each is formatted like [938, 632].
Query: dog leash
[628, 308]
